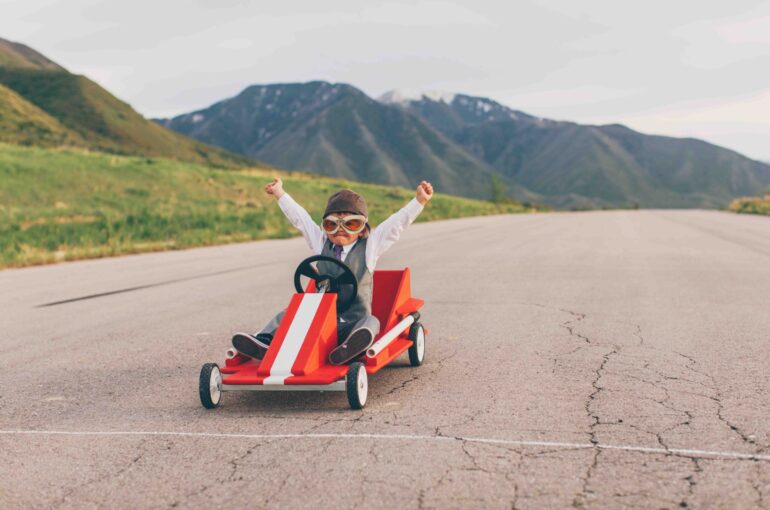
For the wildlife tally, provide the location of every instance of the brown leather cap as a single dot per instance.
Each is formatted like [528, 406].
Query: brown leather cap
[346, 200]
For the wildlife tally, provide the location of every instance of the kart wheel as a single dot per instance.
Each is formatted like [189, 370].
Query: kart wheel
[210, 385]
[417, 350]
[357, 385]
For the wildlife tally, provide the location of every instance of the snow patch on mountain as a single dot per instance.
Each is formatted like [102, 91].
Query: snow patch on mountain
[439, 97]
[405, 96]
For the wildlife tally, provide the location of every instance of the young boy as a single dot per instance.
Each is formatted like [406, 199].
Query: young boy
[345, 235]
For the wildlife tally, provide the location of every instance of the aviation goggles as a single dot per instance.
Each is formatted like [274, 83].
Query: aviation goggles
[352, 224]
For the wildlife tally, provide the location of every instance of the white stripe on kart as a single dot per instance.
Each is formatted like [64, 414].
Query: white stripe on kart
[295, 337]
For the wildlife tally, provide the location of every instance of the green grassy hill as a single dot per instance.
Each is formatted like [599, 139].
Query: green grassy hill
[23, 123]
[65, 204]
[20, 56]
[43, 104]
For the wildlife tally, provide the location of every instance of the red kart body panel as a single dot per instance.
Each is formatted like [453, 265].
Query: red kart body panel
[299, 352]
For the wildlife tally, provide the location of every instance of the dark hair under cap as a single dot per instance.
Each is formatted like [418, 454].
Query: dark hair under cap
[346, 200]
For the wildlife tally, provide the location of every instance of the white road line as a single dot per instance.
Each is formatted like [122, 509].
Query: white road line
[404, 437]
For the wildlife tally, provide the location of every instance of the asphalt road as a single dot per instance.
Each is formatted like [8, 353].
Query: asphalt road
[598, 359]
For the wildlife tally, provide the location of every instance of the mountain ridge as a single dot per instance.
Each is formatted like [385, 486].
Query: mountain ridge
[18, 55]
[336, 130]
[457, 139]
[605, 164]
[41, 103]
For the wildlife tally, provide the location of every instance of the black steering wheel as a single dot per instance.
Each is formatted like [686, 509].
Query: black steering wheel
[329, 275]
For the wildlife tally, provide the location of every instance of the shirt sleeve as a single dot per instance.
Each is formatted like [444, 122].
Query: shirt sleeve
[389, 231]
[300, 218]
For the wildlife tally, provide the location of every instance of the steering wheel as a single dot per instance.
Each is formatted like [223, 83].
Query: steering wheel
[329, 275]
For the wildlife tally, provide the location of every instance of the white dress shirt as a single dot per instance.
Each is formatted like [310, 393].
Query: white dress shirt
[380, 238]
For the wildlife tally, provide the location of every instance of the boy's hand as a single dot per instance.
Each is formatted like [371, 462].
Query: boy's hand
[275, 188]
[424, 192]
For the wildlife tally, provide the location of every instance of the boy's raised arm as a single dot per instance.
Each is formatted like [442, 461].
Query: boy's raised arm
[389, 231]
[297, 215]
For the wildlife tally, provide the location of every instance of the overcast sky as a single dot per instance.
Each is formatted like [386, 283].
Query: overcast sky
[682, 68]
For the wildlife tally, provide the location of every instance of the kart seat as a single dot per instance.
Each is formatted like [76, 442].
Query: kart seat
[391, 289]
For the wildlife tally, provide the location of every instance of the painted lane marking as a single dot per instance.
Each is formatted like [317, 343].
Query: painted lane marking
[405, 437]
[294, 339]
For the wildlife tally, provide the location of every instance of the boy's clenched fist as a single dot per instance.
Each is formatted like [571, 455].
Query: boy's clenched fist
[424, 192]
[275, 188]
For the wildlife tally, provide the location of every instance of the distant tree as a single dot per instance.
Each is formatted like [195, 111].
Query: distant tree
[499, 190]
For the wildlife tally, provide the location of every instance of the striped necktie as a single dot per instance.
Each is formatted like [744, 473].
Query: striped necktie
[337, 252]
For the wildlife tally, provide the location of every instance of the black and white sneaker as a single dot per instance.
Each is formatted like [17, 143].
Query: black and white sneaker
[253, 347]
[358, 341]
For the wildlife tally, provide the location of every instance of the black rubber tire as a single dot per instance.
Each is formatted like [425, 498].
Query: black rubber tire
[356, 397]
[414, 357]
[204, 386]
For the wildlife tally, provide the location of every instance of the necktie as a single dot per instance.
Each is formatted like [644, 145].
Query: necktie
[337, 252]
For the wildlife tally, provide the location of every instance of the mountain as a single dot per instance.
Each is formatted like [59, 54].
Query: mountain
[451, 113]
[41, 103]
[470, 146]
[336, 130]
[573, 165]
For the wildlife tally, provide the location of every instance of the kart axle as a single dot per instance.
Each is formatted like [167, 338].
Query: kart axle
[335, 386]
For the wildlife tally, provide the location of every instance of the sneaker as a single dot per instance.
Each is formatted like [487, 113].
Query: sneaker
[253, 347]
[357, 342]
[264, 338]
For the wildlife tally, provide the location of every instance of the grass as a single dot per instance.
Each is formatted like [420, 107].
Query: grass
[67, 204]
[751, 205]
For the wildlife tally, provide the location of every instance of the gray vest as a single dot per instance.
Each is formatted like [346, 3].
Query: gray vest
[356, 261]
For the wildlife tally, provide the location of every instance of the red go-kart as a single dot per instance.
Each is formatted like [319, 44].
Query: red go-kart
[298, 356]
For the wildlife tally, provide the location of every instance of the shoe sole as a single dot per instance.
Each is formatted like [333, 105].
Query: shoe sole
[249, 346]
[353, 346]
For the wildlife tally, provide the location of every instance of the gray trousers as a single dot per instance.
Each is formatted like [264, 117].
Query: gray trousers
[344, 329]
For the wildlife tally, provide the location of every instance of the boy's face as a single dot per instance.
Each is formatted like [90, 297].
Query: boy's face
[341, 237]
